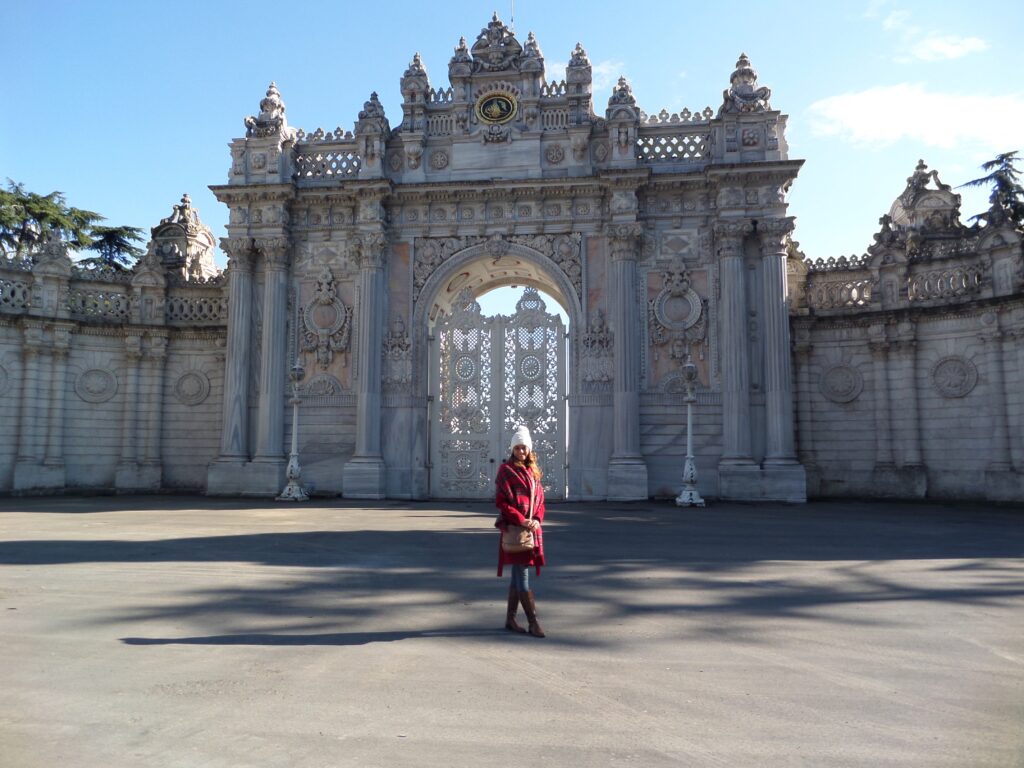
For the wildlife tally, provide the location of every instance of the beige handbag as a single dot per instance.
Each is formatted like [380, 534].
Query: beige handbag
[519, 538]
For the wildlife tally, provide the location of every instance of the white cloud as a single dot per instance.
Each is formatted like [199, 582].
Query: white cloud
[897, 21]
[883, 115]
[605, 74]
[941, 47]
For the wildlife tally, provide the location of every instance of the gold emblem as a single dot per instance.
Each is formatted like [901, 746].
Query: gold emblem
[496, 108]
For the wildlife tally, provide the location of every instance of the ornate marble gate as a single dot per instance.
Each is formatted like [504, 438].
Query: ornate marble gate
[491, 374]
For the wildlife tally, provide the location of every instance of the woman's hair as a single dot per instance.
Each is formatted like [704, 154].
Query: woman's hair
[531, 463]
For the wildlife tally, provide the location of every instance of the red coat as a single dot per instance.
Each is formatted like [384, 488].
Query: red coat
[512, 498]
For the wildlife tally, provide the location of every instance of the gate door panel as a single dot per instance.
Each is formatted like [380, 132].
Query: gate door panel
[494, 373]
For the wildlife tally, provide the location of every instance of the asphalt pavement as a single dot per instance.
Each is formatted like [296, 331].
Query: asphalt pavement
[217, 633]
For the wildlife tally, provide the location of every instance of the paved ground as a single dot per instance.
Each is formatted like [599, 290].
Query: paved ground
[179, 631]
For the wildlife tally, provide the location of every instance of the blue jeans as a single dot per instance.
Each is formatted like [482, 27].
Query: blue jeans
[521, 577]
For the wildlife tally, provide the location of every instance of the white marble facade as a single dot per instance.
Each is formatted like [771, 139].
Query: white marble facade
[662, 237]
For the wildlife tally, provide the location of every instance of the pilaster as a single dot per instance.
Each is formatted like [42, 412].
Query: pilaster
[126, 476]
[54, 461]
[1000, 459]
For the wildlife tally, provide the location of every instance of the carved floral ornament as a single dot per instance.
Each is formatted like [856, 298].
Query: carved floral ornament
[326, 322]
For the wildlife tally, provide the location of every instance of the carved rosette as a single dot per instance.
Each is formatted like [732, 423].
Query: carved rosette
[841, 383]
[954, 376]
[326, 322]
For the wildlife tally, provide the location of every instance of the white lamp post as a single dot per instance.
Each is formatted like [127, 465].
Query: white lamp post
[689, 497]
[294, 491]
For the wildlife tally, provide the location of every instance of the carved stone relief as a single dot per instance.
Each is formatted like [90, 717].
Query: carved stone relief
[596, 363]
[841, 383]
[563, 250]
[326, 322]
[954, 376]
[96, 385]
[397, 358]
[677, 318]
[192, 387]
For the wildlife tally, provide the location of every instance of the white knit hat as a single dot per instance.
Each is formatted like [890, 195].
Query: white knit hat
[521, 437]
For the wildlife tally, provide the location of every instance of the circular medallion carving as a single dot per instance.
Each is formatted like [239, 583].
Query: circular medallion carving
[676, 310]
[463, 465]
[530, 367]
[465, 368]
[192, 388]
[954, 376]
[96, 385]
[496, 108]
[554, 154]
[439, 160]
[841, 383]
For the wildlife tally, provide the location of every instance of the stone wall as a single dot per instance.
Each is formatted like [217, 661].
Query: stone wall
[909, 358]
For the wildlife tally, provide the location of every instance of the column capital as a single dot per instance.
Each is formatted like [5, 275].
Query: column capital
[730, 233]
[274, 250]
[157, 348]
[773, 232]
[133, 347]
[240, 253]
[624, 240]
[370, 250]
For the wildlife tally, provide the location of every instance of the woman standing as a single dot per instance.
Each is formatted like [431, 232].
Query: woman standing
[519, 497]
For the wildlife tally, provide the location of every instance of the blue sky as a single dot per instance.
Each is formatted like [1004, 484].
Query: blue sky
[125, 106]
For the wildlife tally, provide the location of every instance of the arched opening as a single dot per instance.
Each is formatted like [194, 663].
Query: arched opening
[489, 370]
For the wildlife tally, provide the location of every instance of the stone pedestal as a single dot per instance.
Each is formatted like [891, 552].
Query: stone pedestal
[364, 477]
[254, 478]
[772, 483]
[131, 477]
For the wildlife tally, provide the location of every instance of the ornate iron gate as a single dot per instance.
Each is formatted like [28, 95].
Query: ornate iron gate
[492, 374]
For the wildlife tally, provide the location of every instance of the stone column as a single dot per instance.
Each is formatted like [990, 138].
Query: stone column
[364, 475]
[234, 442]
[1000, 459]
[735, 358]
[779, 444]
[627, 472]
[274, 353]
[58, 393]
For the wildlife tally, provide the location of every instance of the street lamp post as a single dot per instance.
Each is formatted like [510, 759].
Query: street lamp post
[689, 497]
[294, 491]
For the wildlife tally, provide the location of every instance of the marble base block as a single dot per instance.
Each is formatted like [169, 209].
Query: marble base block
[364, 477]
[627, 479]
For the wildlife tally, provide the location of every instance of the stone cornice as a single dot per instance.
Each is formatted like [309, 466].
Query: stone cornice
[752, 172]
[482, 191]
[235, 194]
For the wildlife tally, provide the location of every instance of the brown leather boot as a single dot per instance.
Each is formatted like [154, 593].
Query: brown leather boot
[531, 613]
[510, 615]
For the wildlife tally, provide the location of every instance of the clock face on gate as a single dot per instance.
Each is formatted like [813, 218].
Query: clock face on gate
[496, 108]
